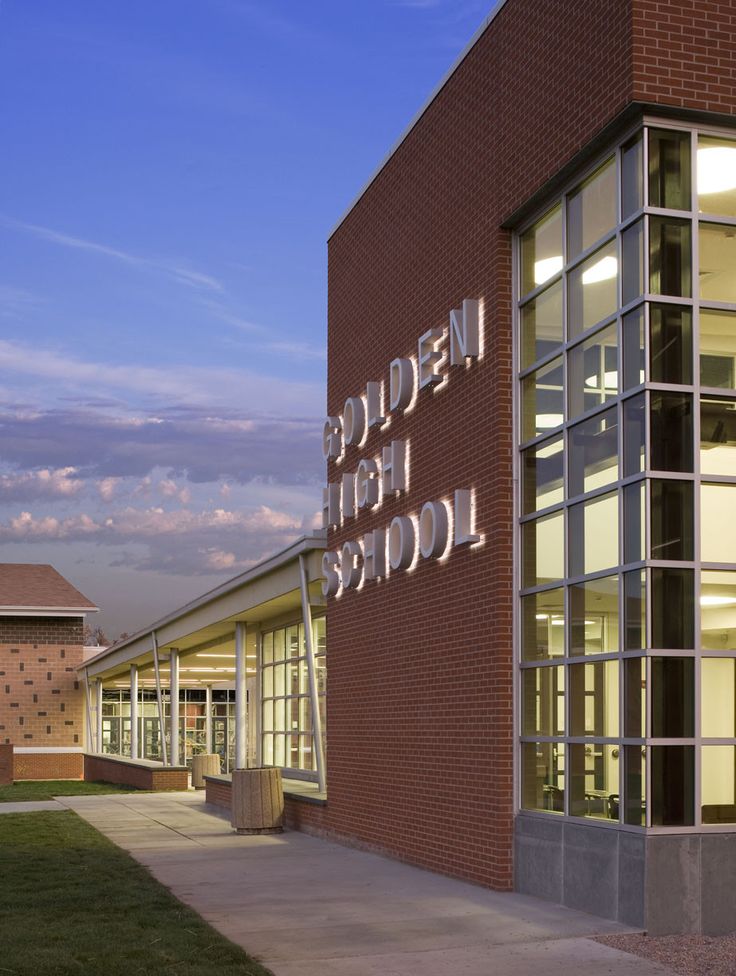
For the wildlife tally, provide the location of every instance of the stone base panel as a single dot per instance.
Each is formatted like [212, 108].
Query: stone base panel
[664, 883]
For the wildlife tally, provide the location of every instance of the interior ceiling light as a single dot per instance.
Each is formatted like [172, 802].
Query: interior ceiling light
[717, 601]
[716, 169]
[602, 270]
[544, 269]
[610, 380]
[206, 654]
[548, 420]
[209, 670]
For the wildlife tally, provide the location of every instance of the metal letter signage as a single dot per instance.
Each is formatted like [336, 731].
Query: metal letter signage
[429, 357]
[402, 383]
[353, 420]
[332, 438]
[440, 525]
[393, 473]
[465, 332]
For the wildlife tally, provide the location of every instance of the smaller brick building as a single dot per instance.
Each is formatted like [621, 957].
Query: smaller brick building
[41, 699]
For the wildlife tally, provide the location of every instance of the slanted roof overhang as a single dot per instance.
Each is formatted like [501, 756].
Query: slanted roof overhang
[268, 591]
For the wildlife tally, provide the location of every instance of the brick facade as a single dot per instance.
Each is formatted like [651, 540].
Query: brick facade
[6, 764]
[48, 765]
[141, 776]
[41, 701]
[420, 736]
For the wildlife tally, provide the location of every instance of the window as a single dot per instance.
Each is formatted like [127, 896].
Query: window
[626, 502]
[286, 705]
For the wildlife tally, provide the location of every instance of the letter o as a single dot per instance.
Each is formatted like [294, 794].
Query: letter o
[433, 530]
[353, 417]
[401, 542]
[352, 565]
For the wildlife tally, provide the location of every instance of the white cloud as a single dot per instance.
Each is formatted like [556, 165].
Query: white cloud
[179, 272]
[189, 385]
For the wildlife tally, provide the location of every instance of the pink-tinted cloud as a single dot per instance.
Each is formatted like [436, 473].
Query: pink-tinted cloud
[46, 483]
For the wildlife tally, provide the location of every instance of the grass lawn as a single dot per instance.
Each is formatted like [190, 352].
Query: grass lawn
[47, 789]
[71, 902]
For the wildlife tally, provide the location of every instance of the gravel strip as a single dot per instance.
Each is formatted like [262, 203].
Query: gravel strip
[691, 955]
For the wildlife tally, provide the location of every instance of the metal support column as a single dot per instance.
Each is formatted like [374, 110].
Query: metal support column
[134, 720]
[208, 720]
[174, 705]
[241, 709]
[98, 709]
[88, 703]
[312, 672]
[159, 699]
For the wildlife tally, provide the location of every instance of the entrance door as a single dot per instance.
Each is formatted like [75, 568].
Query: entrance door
[151, 743]
[220, 741]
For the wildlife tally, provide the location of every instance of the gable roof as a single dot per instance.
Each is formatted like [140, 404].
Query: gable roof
[27, 587]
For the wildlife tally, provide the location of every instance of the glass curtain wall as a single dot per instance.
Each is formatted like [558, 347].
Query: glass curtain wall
[287, 734]
[192, 722]
[627, 423]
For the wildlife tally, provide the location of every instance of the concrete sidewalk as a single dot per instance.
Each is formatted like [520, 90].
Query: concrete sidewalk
[30, 806]
[306, 907]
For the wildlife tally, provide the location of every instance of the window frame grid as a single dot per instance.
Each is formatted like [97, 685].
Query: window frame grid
[696, 391]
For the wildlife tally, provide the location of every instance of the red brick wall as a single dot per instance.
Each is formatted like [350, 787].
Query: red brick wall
[100, 768]
[41, 700]
[419, 726]
[49, 765]
[685, 53]
[218, 793]
[6, 764]
[302, 815]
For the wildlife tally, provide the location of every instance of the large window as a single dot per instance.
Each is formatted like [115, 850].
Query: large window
[287, 727]
[192, 723]
[626, 351]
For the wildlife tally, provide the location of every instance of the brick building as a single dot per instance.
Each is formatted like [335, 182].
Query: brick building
[529, 562]
[530, 565]
[41, 700]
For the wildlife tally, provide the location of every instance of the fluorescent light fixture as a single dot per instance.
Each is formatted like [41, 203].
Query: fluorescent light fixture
[548, 420]
[716, 169]
[541, 616]
[717, 601]
[544, 269]
[207, 654]
[610, 380]
[209, 670]
[602, 270]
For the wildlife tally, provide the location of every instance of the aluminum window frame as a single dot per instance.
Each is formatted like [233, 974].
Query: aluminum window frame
[696, 392]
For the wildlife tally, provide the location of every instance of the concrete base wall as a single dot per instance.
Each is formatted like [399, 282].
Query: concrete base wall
[674, 883]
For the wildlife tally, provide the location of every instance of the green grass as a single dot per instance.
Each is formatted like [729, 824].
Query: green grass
[71, 902]
[25, 790]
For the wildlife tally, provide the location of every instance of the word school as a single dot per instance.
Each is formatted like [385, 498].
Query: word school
[362, 489]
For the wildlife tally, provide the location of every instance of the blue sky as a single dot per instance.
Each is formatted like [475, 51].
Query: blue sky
[170, 173]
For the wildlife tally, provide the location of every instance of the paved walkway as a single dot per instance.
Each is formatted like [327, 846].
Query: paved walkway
[306, 907]
[30, 806]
